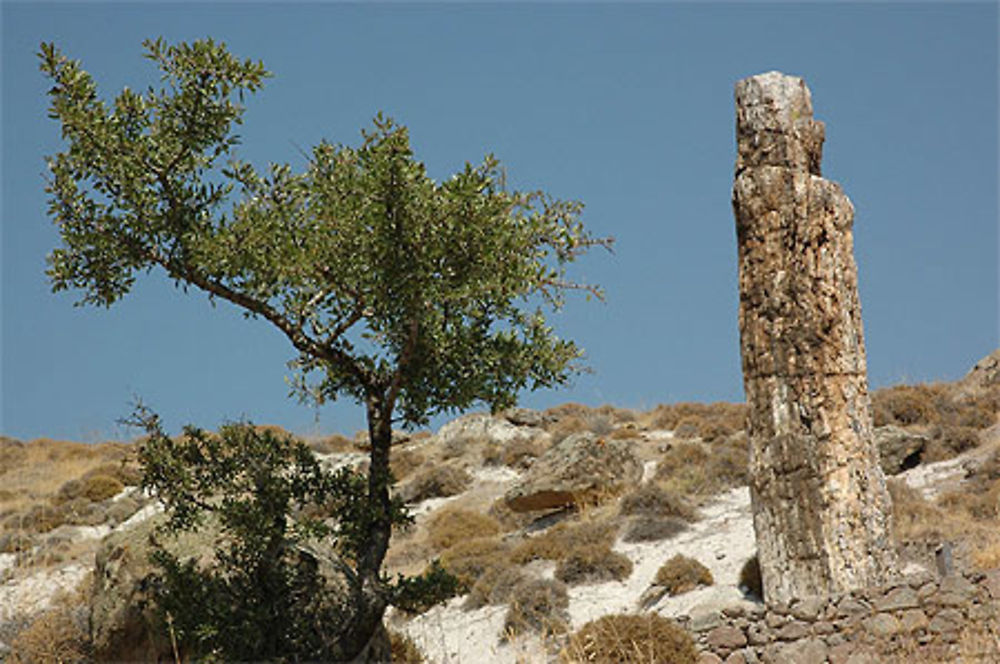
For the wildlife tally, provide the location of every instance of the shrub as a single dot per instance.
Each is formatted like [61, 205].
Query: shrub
[522, 452]
[436, 482]
[653, 528]
[652, 500]
[904, 405]
[538, 606]
[682, 574]
[469, 559]
[101, 487]
[61, 634]
[750, 578]
[333, 444]
[950, 440]
[631, 639]
[403, 649]
[557, 542]
[403, 462]
[593, 564]
[700, 470]
[495, 586]
[449, 526]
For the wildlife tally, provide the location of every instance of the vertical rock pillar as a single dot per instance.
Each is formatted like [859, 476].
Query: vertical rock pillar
[822, 514]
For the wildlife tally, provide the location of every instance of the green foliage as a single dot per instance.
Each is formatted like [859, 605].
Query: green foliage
[265, 596]
[419, 593]
[410, 296]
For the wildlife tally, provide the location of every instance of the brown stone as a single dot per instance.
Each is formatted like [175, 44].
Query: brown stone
[736, 658]
[882, 625]
[849, 608]
[807, 651]
[946, 620]
[913, 620]
[839, 653]
[726, 637]
[992, 583]
[898, 599]
[793, 631]
[821, 509]
[823, 627]
[709, 658]
[758, 635]
[808, 608]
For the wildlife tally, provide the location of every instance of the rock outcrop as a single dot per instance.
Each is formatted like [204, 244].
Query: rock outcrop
[821, 509]
[581, 467]
[899, 449]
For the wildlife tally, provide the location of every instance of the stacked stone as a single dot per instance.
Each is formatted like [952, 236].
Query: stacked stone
[916, 614]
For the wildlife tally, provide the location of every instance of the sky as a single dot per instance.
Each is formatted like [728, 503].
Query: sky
[626, 107]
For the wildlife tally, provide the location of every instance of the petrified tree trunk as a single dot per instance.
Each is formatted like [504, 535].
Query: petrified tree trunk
[821, 509]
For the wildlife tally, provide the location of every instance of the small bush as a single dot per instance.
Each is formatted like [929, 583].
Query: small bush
[682, 574]
[403, 649]
[538, 606]
[557, 542]
[333, 444]
[403, 462]
[948, 441]
[631, 639]
[593, 564]
[495, 586]
[436, 482]
[469, 559]
[750, 578]
[101, 487]
[904, 405]
[700, 470]
[652, 500]
[522, 452]
[653, 528]
[450, 526]
[58, 635]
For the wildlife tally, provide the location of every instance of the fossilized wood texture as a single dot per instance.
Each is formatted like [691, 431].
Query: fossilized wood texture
[821, 509]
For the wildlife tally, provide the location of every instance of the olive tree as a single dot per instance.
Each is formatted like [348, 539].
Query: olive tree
[410, 296]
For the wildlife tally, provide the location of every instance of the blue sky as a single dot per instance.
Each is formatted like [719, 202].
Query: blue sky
[627, 107]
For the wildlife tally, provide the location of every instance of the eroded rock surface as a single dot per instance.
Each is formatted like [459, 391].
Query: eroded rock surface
[821, 509]
[580, 467]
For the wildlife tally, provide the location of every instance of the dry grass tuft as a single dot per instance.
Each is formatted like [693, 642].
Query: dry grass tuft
[496, 586]
[558, 542]
[537, 606]
[403, 649]
[470, 559]
[333, 444]
[681, 574]
[402, 462]
[750, 578]
[521, 453]
[449, 526]
[435, 482]
[630, 639]
[698, 470]
[593, 563]
[710, 422]
[653, 528]
[652, 500]
[61, 634]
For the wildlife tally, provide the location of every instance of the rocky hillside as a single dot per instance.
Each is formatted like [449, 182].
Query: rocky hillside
[572, 530]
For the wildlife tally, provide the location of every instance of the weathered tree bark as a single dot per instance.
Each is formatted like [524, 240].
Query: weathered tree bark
[821, 510]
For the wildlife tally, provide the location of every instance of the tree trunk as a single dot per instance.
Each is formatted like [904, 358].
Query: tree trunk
[365, 639]
[821, 509]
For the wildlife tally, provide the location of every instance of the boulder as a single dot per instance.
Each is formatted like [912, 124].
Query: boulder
[581, 467]
[485, 428]
[124, 625]
[898, 448]
[984, 375]
[124, 622]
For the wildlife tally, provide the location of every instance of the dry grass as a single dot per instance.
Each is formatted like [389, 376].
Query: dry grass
[698, 471]
[653, 528]
[402, 462]
[403, 649]
[470, 559]
[537, 606]
[495, 586]
[750, 578]
[60, 634]
[653, 500]
[593, 563]
[710, 422]
[449, 526]
[334, 444]
[681, 574]
[630, 639]
[558, 542]
[438, 481]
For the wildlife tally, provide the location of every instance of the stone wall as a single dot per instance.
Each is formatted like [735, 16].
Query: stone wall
[919, 618]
